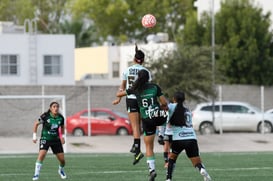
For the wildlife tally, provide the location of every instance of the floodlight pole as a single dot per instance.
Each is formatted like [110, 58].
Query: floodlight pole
[262, 107]
[43, 100]
[64, 115]
[213, 57]
[89, 111]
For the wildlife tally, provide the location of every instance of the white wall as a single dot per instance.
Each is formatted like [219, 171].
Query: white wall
[56, 45]
[113, 56]
[46, 45]
[18, 45]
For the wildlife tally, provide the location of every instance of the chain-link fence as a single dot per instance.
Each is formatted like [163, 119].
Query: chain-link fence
[17, 116]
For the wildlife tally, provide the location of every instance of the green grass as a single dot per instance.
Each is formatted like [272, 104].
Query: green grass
[118, 167]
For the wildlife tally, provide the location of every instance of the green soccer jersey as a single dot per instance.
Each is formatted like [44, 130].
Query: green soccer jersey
[148, 101]
[51, 126]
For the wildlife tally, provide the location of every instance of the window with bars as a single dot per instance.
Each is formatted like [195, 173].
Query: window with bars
[9, 65]
[52, 65]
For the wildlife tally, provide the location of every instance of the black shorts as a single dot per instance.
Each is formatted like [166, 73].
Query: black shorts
[149, 125]
[55, 145]
[190, 146]
[131, 105]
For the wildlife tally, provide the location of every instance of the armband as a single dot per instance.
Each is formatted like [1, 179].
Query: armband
[34, 136]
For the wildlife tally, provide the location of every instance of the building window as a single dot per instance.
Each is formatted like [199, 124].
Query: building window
[52, 65]
[115, 69]
[9, 65]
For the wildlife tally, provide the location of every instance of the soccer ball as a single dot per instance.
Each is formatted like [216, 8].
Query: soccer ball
[148, 21]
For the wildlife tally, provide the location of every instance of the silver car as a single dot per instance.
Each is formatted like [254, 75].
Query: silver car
[270, 111]
[231, 116]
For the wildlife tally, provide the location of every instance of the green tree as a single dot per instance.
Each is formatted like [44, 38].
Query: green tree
[193, 31]
[122, 18]
[244, 42]
[11, 10]
[49, 14]
[85, 33]
[243, 31]
[186, 68]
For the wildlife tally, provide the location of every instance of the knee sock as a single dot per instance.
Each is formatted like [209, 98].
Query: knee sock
[38, 167]
[198, 166]
[165, 156]
[137, 144]
[61, 167]
[171, 168]
[151, 163]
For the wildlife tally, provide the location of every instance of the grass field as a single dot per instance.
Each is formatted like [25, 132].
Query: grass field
[118, 167]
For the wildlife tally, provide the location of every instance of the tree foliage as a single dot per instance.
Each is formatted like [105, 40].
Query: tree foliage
[244, 33]
[50, 14]
[122, 18]
[118, 19]
[85, 33]
[187, 68]
[16, 11]
[244, 40]
[52, 17]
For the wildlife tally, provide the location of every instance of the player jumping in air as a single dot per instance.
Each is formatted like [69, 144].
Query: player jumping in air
[153, 106]
[128, 78]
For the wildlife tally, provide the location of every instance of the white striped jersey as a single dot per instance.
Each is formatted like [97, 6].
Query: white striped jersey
[130, 75]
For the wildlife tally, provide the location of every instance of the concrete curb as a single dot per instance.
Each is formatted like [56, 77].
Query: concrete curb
[228, 142]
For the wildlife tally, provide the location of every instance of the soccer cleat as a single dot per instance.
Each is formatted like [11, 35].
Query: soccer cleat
[138, 157]
[152, 176]
[35, 177]
[205, 174]
[62, 173]
[168, 180]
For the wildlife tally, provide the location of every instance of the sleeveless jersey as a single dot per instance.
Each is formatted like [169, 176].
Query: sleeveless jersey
[148, 103]
[130, 75]
[50, 130]
[182, 132]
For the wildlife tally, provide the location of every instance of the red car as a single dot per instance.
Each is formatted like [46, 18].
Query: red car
[103, 121]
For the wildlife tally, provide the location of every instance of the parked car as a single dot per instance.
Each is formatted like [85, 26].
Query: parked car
[270, 111]
[235, 116]
[103, 121]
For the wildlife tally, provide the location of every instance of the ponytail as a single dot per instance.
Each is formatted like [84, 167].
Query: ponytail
[178, 118]
[139, 55]
[143, 78]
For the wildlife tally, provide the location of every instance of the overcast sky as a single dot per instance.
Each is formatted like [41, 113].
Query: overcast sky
[205, 5]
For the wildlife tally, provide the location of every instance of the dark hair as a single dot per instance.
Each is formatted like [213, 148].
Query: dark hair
[178, 117]
[51, 104]
[143, 77]
[139, 55]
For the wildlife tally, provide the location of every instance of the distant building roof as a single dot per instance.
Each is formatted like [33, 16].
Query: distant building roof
[7, 27]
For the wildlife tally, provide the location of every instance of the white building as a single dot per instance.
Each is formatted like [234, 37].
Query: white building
[35, 59]
[104, 65]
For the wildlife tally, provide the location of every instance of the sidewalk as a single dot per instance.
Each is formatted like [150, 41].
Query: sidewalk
[228, 142]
